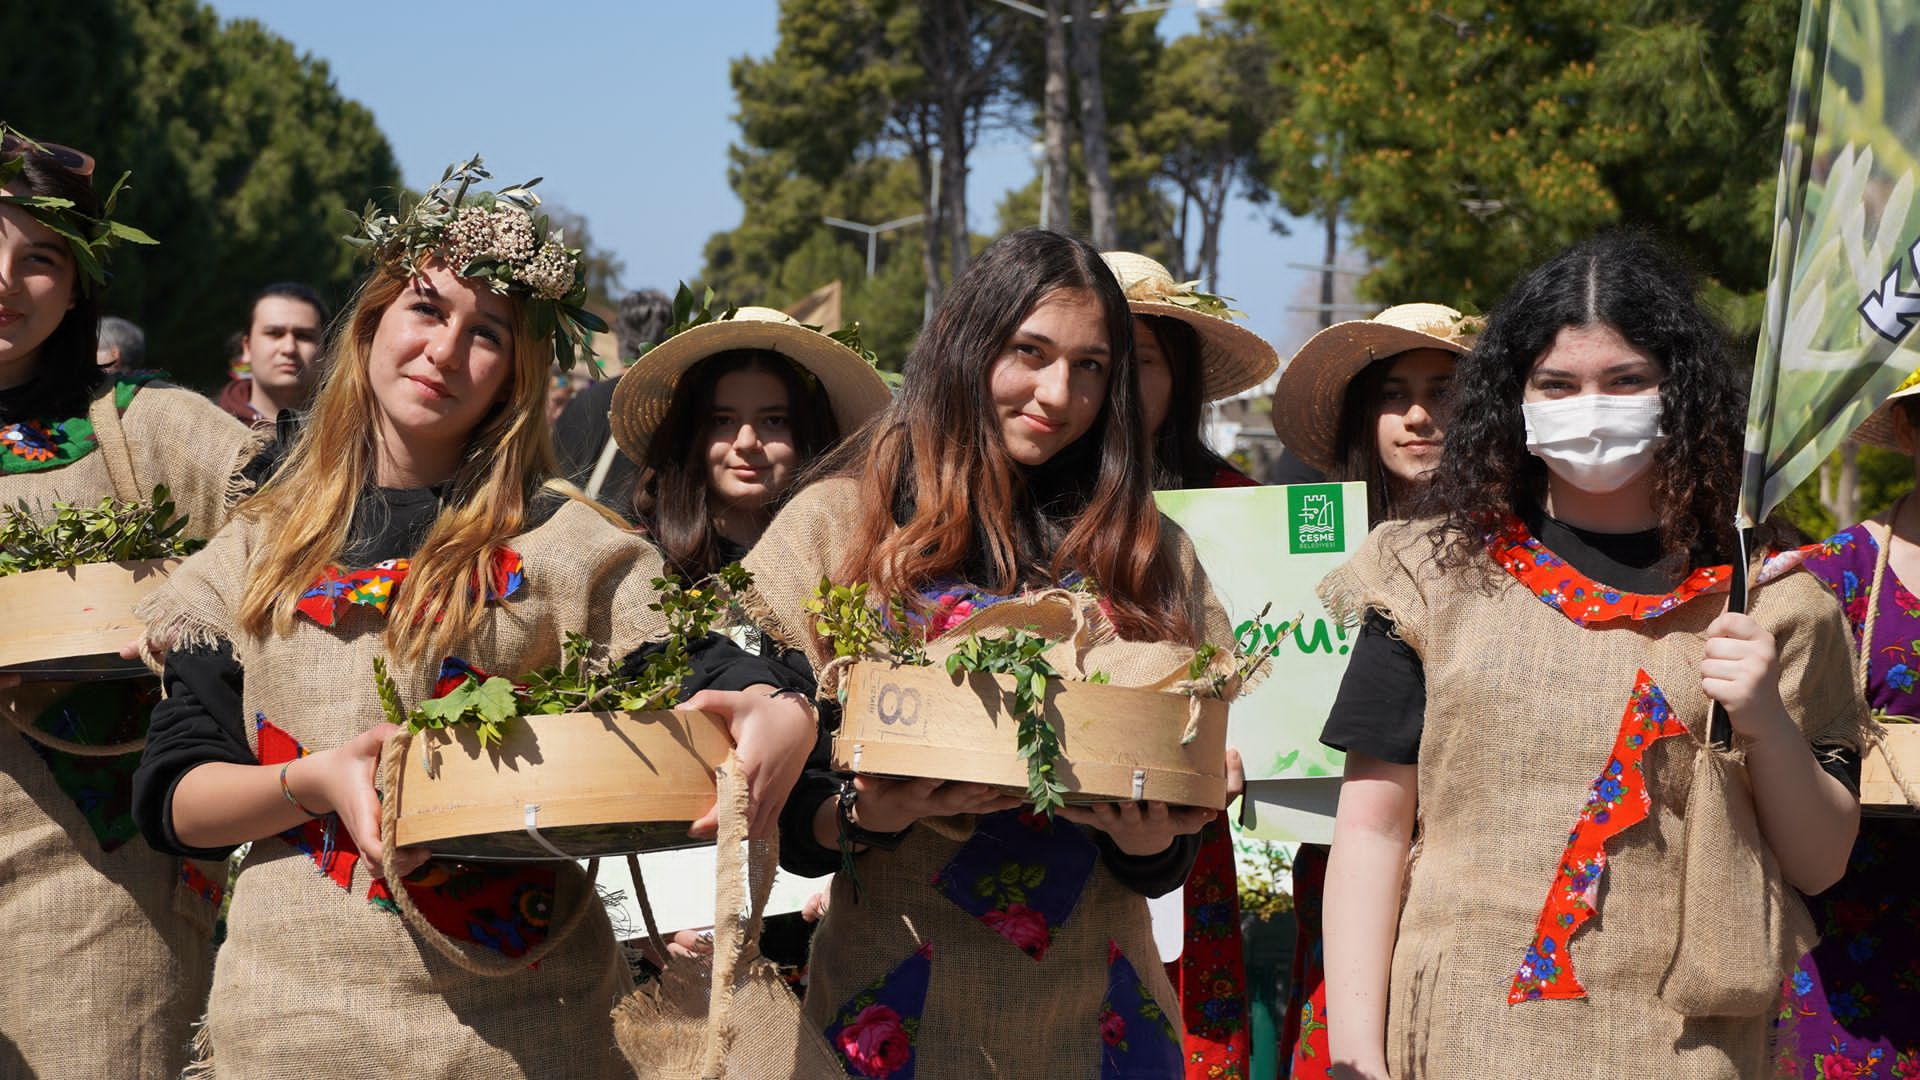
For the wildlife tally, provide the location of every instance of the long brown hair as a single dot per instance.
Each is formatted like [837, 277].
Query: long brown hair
[944, 500]
[671, 497]
[311, 500]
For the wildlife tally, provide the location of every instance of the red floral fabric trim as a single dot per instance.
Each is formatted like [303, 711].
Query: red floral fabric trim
[506, 908]
[1211, 974]
[337, 589]
[1579, 597]
[203, 886]
[1616, 802]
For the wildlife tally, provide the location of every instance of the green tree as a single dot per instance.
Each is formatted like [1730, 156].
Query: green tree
[1466, 141]
[244, 155]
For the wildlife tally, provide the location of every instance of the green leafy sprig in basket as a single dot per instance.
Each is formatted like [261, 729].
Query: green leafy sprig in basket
[1021, 655]
[108, 531]
[585, 679]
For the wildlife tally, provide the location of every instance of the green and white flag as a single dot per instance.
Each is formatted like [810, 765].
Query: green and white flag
[1843, 288]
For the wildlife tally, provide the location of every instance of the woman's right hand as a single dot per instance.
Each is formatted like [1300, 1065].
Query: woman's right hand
[886, 806]
[340, 781]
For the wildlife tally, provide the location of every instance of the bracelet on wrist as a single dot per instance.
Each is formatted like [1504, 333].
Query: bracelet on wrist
[850, 830]
[287, 791]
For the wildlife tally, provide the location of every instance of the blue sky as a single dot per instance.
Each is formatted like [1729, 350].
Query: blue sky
[624, 106]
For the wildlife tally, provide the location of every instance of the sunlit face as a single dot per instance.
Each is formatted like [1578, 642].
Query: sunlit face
[37, 289]
[1049, 382]
[751, 456]
[441, 357]
[1155, 375]
[1592, 359]
[1407, 431]
[282, 343]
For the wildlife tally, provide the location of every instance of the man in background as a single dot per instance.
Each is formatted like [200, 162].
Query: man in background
[281, 351]
[122, 347]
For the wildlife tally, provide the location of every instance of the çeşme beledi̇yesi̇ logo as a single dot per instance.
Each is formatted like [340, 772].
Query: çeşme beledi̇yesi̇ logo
[1315, 523]
[1889, 309]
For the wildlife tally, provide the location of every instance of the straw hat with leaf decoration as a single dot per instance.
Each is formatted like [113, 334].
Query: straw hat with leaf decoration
[1313, 388]
[1232, 357]
[845, 371]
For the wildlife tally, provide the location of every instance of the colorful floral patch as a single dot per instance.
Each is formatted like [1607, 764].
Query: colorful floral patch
[337, 589]
[1616, 802]
[873, 1033]
[38, 444]
[503, 907]
[1022, 875]
[202, 886]
[1579, 597]
[99, 714]
[1138, 1042]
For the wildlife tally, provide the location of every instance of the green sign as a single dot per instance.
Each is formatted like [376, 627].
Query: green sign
[1315, 523]
[1236, 532]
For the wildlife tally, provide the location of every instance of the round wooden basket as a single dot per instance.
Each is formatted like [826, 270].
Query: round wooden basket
[1879, 791]
[1117, 743]
[71, 624]
[573, 786]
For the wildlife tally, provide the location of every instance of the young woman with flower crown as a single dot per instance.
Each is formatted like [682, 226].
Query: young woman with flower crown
[412, 521]
[1595, 890]
[110, 939]
[1013, 462]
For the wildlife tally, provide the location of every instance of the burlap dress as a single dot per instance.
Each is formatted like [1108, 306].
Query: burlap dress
[318, 976]
[1548, 696]
[1006, 946]
[110, 941]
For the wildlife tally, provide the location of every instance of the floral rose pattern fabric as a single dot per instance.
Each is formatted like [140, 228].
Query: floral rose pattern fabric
[503, 907]
[1580, 597]
[873, 1034]
[1139, 1042]
[1021, 875]
[1211, 975]
[1852, 1006]
[1616, 802]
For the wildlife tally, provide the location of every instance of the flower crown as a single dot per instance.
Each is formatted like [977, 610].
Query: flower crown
[493, 237]
[90, 239]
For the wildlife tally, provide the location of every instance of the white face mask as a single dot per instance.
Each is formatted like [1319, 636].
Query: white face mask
[1599, 443]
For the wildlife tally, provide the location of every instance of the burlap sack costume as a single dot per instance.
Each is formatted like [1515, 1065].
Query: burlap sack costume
[315, 981]
[1694, 927]
[1014, 1003]
[110, 951]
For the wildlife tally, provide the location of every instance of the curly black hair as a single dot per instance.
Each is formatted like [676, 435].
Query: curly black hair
[1629, 281]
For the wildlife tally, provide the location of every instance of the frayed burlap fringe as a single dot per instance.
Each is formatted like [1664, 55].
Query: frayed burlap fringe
[200, 1053]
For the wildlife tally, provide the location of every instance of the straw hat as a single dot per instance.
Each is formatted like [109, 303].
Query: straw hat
[640, 399]
[1307, 403]
[1232, 357]
[1877, 429]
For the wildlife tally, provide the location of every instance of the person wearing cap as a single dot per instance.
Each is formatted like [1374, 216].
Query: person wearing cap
[1190, 353]
[722, 417]
[1361, 400]
[1597, 889]
[1853, 1004]
[109, 949]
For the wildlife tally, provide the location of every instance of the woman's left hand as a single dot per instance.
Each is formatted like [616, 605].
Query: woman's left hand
[1140, 828]
[772, 737]
[1742, 672]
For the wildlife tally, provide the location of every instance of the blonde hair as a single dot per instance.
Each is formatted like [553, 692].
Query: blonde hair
[311, 500]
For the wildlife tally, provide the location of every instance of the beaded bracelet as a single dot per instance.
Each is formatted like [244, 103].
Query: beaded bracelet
[290, 796]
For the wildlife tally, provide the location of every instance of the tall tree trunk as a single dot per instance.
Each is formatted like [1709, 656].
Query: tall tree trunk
[953, 183]
[1214, 212]
[927, 166]
[1326, 274]
[1093, 126]
[1056, 207]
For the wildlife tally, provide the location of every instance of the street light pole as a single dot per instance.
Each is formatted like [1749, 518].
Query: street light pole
[873, 232]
